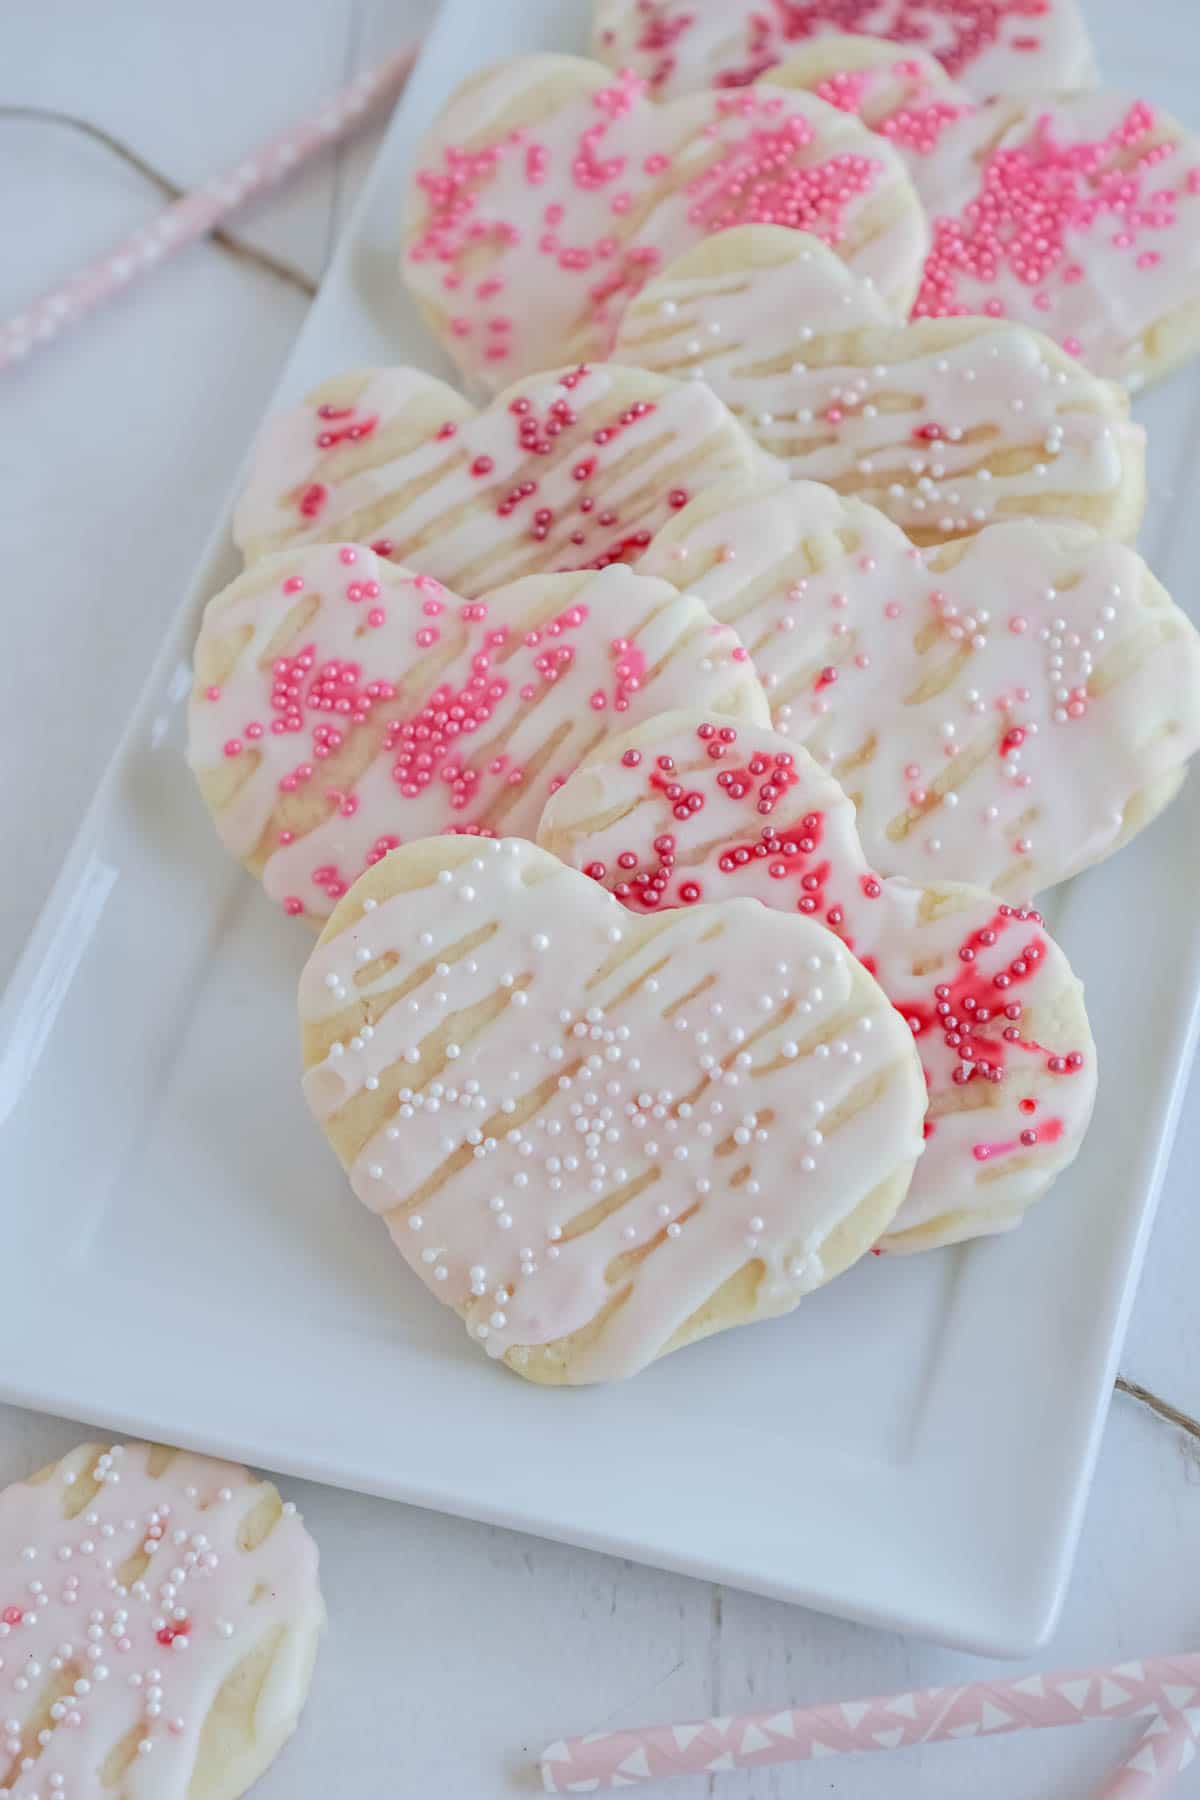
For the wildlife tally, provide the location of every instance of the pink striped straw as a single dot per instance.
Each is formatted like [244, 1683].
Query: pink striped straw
[1164, 1750]
[195, 214]
[1167, 1686]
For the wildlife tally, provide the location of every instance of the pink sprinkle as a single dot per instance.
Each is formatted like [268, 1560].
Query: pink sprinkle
[348, 553]
[294, 584]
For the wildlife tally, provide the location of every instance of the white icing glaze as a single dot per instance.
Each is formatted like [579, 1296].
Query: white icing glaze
[463, 496]
[1002, 711]
[124, 1610]
[993, 46]
[687, 1096]
[688, 809]
[550, 191]
[1076, 213]
[945, 425]
[343, 705]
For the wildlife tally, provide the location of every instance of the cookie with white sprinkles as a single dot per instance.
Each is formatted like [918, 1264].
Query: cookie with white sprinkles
[343, 705]
[159, 1619]
[573, 469]
[550, 191]
[599, 1137]
[944, 424]
[687, 809]
[1003, 710]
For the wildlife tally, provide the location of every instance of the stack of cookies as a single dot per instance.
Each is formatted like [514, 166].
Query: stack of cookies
[673, 739]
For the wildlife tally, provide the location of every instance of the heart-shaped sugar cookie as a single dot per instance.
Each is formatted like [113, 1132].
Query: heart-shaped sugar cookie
[568, 470]
[343, 705]
[1003, 710]
[991, 46]
[599, 1137]
[944, 424]
[550, 191]
[687, 809]
[161, 1615]
[1076, 213]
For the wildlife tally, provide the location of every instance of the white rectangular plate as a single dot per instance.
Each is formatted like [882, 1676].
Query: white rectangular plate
[183, 1259]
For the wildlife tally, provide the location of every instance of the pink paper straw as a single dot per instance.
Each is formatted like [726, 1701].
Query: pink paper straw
[1164, 1751]
[603, 1759]
[195, 214]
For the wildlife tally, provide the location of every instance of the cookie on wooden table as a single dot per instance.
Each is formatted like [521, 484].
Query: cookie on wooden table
[600, 1137]
[159, 1625]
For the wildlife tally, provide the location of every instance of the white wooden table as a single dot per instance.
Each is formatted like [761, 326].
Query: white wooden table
[455, 1651]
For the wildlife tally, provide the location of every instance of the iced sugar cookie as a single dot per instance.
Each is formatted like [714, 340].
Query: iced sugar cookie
[904, 94]
[343, 705]
[944, 424]
[572, 469]
[687, 809]
[159, 1622]
[550, 191]
[1003, 710]
[991, 46]
[1076, 213]
[599, 1137]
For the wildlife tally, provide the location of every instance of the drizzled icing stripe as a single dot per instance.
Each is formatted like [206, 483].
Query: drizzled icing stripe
[343, 706]
[1004, 710]
[991, 46]
[572, 469]
[141, 1588]
[944, 425]
[688, 809]
[597, 1136]
[549, 192]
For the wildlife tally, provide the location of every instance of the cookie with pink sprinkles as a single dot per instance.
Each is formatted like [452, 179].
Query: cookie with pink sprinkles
[159, 1620]
[991, 46]
[1002, 710]
[343, 705]
[688, 809]
[1078, 214]
[576, 468]
[550, 191]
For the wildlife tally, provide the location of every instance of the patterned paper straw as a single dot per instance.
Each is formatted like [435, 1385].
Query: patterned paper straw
[603, 1759]
[1164, 1750]
[196, 213]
